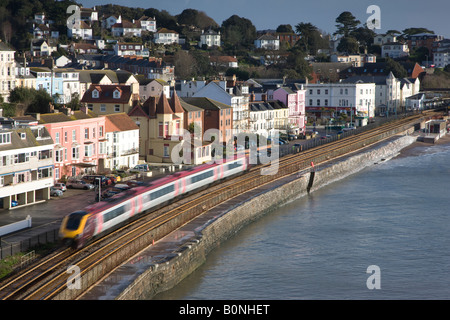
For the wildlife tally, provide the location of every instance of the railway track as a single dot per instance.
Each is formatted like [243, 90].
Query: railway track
[47, 279]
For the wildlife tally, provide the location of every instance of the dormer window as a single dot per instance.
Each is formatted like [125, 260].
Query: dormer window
[95, 93]
[5, 138]
[116, 94]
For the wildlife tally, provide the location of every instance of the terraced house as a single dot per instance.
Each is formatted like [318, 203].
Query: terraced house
[26, 164]
[109, 99]
[80, 141]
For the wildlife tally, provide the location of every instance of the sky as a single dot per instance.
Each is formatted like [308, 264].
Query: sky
[269, 14]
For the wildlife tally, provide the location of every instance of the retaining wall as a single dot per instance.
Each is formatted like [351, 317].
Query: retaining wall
[163, 276]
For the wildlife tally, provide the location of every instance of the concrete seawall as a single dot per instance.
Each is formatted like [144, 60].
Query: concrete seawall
[156, 270]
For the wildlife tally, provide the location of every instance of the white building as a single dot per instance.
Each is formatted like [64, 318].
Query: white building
[390, 92]
[441, 58]
[266, 117]
[354, 99]
[209, 38]
[219, 91]
[112, 20]
[126, 28]
[394, 50]
[153, 88]
[7, 70]
[268, 42]
[130, 49]
[122, 146]
[381, 39]
[80, 31]
[189, 87]
[166, 36]
[148, 24]
[357, 60]
[26, 164]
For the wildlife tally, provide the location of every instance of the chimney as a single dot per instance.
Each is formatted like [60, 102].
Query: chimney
[264, 97]
[84, 109]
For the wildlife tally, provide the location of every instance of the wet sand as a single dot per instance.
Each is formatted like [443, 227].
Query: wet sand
[418, 147]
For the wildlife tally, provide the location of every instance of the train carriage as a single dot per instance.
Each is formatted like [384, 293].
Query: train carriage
[81, 226]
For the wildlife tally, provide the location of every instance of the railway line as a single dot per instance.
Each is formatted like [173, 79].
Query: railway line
[48, 279]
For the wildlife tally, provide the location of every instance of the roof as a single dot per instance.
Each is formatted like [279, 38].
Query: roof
[206, 103]
[61, 117]
[106, 94]
[163, 106]
[165, 30]
[119, 122]
[30, 139]
[175, 103]
[5, 47]
[268, 37]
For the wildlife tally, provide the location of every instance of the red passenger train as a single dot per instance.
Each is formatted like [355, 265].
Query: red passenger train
[98, 219]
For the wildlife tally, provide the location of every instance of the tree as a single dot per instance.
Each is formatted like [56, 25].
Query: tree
[346, 23]
[396, 68]
[285, 28]
[184, 64]
[296, 62]
[364, 36]
[412, 31]
[192, 17]
[348, 45]
[238, 32]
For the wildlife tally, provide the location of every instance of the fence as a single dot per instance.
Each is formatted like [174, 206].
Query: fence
[9, 249]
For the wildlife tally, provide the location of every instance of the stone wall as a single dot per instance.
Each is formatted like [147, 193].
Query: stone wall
[163, 276]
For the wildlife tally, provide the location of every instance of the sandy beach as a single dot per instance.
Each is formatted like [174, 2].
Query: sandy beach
[419, 147]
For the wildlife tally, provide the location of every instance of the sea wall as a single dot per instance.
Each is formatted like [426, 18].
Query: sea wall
[165, 275]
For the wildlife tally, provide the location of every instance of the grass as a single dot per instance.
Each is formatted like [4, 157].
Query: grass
[8, 264]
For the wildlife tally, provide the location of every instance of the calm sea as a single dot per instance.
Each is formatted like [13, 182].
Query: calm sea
[394, 215]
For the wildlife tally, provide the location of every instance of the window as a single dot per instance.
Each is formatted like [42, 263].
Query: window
[102, 108]
[95, 94]
[86, 133]
[161, 192]
[318, 102]
[166, 151]
[100, 131]
[75, 153]
[58, 155]
[117, 108]
[160, 129]
[166, 129]
[57, 137]
[88, 150]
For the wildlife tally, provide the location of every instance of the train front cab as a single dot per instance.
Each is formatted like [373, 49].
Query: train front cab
[72, 228]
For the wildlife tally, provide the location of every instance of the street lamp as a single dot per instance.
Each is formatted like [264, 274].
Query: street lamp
[99, 189]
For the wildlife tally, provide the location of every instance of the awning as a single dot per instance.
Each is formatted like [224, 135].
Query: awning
[84, 165]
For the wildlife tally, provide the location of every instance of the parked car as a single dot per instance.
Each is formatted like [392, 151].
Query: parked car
[79, 184]
[93, 179]
[60, 186]
[55, 192]
[141, 168]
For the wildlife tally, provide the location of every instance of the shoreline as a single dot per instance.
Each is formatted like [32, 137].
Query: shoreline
[417, 148]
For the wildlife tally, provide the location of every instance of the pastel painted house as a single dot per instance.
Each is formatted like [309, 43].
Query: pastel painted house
[295, 101]
[80, 141]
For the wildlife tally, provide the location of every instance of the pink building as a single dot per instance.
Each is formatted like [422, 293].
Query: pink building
[295, 101]
[80, 141]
